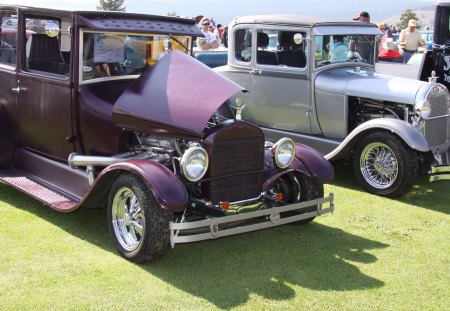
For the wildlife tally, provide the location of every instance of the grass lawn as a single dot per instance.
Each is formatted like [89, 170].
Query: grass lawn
[371, 254]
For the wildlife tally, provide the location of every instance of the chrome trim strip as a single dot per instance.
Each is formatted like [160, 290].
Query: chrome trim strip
[443, 173]
[273, 220]
[439, 177]
[440, 169]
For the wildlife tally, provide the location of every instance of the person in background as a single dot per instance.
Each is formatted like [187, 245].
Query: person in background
[212, 22]
[363, 17]
[361, 44]
[209, 41]
[225, 37]
[382, 38]
[390, 52]
[410, 40]
[220, 31]
[217, 32]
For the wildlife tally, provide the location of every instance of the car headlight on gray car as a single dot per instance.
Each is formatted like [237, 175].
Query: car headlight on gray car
[194, 163]
[423, 109]
[283, 152]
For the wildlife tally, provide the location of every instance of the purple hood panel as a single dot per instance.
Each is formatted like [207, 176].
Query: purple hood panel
[176, 96]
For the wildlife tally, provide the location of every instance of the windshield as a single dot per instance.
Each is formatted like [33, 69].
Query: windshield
[332, 49]
[117, 54]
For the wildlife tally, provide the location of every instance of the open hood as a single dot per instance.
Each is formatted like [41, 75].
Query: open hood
[176, 96]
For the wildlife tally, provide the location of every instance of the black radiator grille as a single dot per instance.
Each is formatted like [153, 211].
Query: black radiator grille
[238, 164]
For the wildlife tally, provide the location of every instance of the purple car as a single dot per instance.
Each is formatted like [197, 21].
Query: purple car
[108, 109]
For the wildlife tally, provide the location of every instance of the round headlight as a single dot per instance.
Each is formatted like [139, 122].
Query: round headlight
[284, 152]
[194, 163]
[423, 109]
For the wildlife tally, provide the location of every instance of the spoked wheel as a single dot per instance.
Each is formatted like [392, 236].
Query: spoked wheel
[384, 166]
[138, 225]
[297, 188]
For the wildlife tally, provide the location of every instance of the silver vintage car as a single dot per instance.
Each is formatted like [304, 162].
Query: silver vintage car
[319, 87]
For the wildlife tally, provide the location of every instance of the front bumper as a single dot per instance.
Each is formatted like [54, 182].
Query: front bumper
[271, 218]
[438, 173]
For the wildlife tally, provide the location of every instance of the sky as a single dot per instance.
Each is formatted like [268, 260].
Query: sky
[223, 11]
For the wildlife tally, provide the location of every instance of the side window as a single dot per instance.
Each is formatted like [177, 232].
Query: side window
[243, 45]
[8, 37]
[281, 48]
[48, 44]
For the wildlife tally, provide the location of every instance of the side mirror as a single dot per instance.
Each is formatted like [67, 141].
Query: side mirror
[52, 29]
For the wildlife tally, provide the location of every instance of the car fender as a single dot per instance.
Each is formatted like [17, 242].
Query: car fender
[167, 188]
[307, 161]
[405, 131]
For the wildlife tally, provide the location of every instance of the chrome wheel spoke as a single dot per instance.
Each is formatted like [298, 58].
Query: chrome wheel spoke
[379, 165]
[127, 219]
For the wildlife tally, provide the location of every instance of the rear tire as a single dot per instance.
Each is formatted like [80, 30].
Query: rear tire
[138, 225]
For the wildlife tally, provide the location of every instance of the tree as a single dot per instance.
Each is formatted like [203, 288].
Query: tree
[406, 16]
[173, 13]
[111, 5]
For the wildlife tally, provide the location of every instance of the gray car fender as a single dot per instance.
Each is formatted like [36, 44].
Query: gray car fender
[405, 131]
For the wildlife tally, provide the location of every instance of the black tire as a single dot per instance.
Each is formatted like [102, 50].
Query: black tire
[138, 225]
[384, 165]
[298, 188]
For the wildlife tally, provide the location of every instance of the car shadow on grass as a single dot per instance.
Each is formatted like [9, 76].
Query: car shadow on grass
[424, 194]
[274, 263]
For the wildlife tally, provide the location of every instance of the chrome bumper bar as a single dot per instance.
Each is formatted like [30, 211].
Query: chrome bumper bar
[438, 173]
[272, 219]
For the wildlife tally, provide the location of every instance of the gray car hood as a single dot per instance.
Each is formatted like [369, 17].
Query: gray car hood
[363, 83]
[176, 96]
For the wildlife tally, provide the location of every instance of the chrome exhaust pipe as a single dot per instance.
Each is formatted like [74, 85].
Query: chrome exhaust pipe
[76, 161]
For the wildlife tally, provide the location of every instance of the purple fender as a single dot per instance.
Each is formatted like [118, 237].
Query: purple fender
[167, 189]
[308, 161]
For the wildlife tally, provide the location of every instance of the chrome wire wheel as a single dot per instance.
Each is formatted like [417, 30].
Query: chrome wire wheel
[379, 165]
[127, 219]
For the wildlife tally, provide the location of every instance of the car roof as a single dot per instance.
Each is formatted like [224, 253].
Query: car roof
[121, 21]
[297, 20]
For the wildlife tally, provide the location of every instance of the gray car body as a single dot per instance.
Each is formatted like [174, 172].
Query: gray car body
[311, 102]
[343, 108]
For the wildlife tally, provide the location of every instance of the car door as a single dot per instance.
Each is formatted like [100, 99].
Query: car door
[280, 80]
[8, 75]
[44, 97]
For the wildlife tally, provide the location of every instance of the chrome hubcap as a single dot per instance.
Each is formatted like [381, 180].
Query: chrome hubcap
[128, 219]
[379, 165]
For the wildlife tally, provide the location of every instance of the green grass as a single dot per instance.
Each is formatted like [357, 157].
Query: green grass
[371, 254]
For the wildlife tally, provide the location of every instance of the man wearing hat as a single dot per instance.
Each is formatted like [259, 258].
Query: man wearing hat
[360, 44]
[209, 41]
[362, 16]
[410, 40]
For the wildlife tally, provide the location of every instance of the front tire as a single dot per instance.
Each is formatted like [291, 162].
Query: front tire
[138, 225]
[384, 166]
[298, 188]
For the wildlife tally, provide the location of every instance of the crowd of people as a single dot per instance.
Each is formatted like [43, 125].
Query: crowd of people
[215, 34]
[410, 40]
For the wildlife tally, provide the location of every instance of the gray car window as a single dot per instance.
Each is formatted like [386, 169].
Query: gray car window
[279, 48]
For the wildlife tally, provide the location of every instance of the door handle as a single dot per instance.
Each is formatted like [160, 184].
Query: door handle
[255, 72]
[16, 89]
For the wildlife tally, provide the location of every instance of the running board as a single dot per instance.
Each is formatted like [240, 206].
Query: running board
[30, 185]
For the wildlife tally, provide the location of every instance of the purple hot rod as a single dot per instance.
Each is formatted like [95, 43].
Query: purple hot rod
[109, 109]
